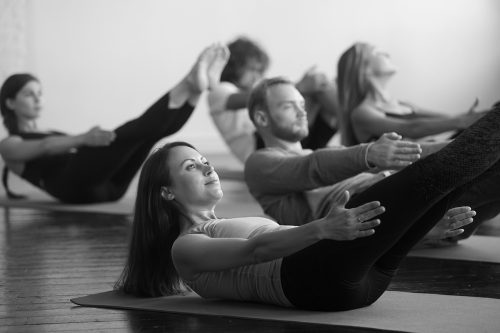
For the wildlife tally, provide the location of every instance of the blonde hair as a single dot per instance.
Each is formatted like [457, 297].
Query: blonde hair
[353, 86]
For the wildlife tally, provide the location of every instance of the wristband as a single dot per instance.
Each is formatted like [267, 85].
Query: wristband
[368, 164]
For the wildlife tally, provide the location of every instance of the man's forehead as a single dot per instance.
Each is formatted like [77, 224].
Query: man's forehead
[283, 92]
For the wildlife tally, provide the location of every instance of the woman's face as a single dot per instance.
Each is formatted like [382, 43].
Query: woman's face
[380, 64]
[252, 73]
[195, 184]
[28, 102]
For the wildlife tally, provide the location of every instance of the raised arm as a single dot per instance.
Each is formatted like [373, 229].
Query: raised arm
[237, 101]
[196, 253]
[369, 123]
[15, 149]
[227, 97]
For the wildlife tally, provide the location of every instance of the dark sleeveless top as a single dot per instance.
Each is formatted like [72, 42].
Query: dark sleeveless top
[392, 115]
[42, 169]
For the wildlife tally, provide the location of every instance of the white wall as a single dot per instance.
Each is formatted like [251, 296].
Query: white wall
[104, 61]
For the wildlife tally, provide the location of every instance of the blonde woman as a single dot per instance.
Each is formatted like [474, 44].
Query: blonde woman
[369, 110]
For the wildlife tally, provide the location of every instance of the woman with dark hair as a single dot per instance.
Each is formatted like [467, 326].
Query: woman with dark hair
[247, 65]
[98, 165]
[342, 261]
[368, 110]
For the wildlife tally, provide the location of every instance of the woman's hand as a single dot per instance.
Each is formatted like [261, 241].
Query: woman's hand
[96, 137]
[312, 82]
[348, 224]
[451, 224]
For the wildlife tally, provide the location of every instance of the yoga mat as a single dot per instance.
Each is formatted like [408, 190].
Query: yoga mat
[474, 248]
[403, 311]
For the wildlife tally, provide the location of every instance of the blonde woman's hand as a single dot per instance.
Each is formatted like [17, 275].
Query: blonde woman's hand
[347, 224]
[312, 81]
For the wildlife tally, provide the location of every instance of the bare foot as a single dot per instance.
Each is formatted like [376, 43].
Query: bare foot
[217, 65]
[204, 74]
[198, 79]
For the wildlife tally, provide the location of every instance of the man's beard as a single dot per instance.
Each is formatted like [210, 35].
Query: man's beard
[288, 135]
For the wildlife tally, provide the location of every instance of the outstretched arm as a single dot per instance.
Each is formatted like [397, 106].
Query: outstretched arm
[15, 149]
[274, 171]
[195, 253]
[369, 123]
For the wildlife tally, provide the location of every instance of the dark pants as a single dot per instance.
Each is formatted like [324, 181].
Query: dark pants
[342, 275]
[99, 174]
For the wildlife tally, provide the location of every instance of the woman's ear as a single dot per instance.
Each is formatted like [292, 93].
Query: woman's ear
[166, 193]
[261, 118]
[10, 103]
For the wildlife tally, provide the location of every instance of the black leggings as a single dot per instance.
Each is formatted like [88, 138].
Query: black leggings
[99, 174]
[343, 275]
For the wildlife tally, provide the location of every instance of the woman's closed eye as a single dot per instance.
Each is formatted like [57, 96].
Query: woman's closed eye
[205, 161]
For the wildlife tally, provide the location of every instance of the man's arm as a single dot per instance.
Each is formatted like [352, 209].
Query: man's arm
[276, 171]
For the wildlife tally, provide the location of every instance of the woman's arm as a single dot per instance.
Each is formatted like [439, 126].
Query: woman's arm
[195, 253]
[423, 112]
[237, 101]
[420, 112]
[15, 149]
[369, 123]
[227, 97]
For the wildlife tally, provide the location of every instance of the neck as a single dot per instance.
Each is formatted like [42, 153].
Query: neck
[272, 141]
[196, 215]
[379, 91]
[26, 125]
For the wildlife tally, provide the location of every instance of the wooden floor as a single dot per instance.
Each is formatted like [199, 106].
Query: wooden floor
[47, 257]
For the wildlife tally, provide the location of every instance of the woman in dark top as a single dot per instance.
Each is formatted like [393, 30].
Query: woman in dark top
[98, 165]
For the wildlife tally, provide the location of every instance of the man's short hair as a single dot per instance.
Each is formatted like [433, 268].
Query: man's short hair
[258, 96]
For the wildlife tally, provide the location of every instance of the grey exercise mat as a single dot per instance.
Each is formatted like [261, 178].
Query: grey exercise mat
[474, 248]
[412, 312]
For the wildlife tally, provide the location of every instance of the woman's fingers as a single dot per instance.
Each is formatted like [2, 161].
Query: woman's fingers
[369, 225]
[368, 211]
[459, 217]
[366, 233]
[457, 210]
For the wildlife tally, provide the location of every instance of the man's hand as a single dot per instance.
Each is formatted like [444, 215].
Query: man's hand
[390, 152]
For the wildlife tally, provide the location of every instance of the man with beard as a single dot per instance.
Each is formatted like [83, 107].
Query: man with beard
[295, 185]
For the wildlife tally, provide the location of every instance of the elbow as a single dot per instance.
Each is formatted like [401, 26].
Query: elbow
[412, 131]
[260, 255]
[45, 148]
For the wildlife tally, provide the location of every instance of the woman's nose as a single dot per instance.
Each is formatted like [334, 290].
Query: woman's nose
[208, 169]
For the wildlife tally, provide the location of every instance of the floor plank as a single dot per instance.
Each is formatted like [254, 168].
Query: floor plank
[47, 257]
